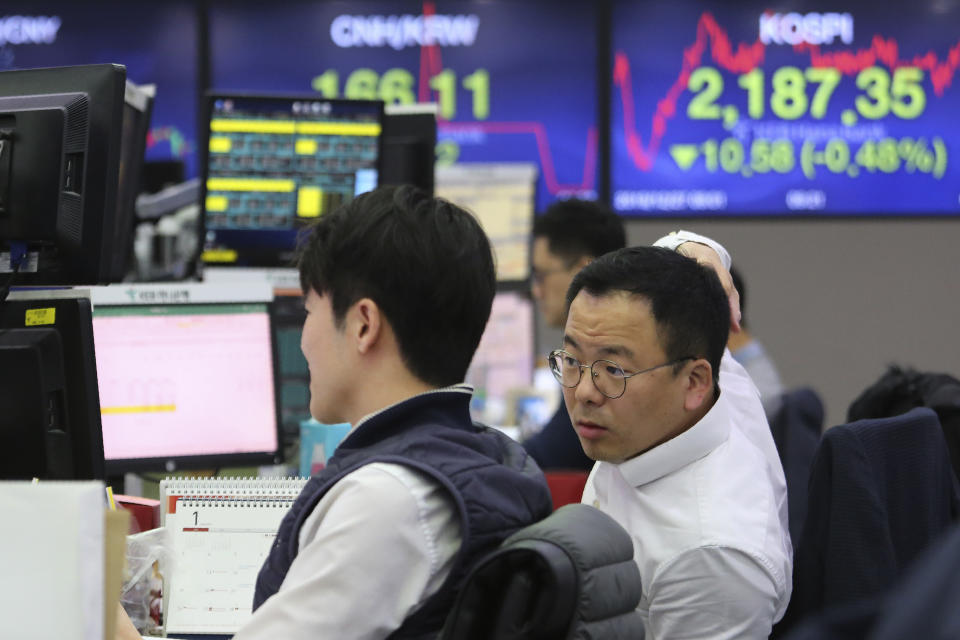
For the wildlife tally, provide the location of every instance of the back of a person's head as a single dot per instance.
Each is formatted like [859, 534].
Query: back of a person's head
[900, 389]
[686, 299]
[425, 262]
[574, 228]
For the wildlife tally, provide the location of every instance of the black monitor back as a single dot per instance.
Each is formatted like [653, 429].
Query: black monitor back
[409, 140]
[33, 406]
[55, 337]
[60, 132]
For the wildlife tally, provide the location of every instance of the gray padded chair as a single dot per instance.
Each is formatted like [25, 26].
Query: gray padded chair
[571, 575]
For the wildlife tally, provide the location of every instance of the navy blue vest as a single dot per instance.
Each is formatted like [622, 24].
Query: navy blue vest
[495, 485]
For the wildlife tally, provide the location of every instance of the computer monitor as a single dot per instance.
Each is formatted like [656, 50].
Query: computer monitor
[273, 163]
[187, 376]
[409, 145]
[137, 108]
[49, 408]
[504, 361]
[59, 157]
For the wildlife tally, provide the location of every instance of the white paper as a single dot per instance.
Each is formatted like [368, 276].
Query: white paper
[51, 560]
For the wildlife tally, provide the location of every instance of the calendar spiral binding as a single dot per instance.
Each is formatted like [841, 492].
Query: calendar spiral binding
[263, 502]
[262, 492]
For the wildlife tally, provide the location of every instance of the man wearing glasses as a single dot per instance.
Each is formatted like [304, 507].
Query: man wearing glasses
[685, 458]
[567, 236]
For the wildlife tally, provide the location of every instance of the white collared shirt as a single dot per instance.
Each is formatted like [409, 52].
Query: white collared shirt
[707, 512]
[376, 546]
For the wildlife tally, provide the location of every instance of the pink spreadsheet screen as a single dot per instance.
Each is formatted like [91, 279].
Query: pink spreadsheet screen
[181, 382]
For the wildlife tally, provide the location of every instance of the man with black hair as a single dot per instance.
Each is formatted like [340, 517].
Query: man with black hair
[398, 287]
[685, 459]
[566, 237]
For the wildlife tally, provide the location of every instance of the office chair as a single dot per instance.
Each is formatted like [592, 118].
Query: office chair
[881, 491]
[796, 428]
[566, 487]
[571, 575]
[922, 603]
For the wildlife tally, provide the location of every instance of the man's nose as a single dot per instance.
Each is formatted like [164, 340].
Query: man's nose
[586, 390]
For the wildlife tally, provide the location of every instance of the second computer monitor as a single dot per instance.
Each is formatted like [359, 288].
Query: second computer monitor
[49, 416]
[274, 163]
[186, 376]
[408, 154]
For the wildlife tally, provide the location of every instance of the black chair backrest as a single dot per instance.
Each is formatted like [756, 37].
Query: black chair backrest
[880, 492]
[796, 428]
[570, 575]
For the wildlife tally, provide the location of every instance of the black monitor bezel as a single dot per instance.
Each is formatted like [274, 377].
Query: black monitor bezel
[128, 185]
[266, 258]
[169, 464]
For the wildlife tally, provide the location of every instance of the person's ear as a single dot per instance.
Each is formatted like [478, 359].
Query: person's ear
[698, 384]
[581, 263]
[365, 324]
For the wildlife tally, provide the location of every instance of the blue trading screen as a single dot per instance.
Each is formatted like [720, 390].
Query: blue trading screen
[739, 109]
[514, 81]
[157, 43]
[274, 164]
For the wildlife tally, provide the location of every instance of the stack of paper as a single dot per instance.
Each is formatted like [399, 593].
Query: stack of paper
[52, 560]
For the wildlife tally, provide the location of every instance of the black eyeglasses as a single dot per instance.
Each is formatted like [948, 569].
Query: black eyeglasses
[608, 377]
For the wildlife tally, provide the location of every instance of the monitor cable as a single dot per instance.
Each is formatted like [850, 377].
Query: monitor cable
[18, 256]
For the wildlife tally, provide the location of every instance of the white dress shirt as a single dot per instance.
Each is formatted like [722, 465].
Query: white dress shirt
[707, 511]
[378, 544]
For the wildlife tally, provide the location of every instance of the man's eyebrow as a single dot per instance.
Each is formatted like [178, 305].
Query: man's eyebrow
[616, 350]
[611, 350]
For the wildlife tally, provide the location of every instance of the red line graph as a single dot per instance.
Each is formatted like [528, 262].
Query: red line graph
[429, 60]
[431, 65]
[747, 57]
[887, 51]
[543, 149]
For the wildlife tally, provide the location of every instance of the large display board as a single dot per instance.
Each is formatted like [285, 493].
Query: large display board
[157, 43]
[514, 81]
[742, 109]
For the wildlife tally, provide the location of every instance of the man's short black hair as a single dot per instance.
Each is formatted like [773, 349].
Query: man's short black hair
[426, 263]
[686, 298]
[575, 228]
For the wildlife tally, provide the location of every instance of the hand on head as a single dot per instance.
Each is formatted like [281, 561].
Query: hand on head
[708, 257]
